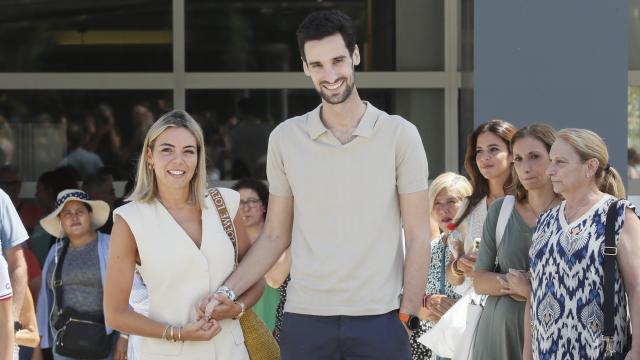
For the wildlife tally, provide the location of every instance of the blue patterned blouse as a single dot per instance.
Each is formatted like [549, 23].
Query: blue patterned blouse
[567, 281]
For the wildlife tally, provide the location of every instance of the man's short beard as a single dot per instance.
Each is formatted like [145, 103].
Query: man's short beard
[343, 97]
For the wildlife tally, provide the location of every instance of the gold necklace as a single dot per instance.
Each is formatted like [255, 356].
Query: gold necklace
[570, 218]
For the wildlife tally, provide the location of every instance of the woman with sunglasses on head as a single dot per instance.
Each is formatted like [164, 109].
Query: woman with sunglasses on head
[488, 163]
[568, 254]
[173, 234]
[73, 280]
[446, 194]
[500, 329]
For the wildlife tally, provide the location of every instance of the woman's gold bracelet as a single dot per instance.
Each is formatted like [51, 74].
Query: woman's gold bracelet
[455, 270]
[164, 333]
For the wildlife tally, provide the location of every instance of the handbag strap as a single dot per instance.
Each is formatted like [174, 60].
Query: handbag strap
[57, 275]
[443, 265]
[503, 218]
[609, 251]
[505, 212]
[225, 219]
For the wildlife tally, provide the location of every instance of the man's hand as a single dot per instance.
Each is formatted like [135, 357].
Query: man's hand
[226, 309]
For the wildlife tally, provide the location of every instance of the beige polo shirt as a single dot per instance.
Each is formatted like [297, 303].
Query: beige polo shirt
[346, 247]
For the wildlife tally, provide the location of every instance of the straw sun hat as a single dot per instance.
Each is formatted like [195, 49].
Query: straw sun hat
[99, 211]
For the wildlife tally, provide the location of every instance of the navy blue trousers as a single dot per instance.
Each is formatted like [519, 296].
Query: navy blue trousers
[311, 337]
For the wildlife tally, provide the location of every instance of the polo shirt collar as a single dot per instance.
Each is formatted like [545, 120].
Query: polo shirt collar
[315, 127]
[368, 121]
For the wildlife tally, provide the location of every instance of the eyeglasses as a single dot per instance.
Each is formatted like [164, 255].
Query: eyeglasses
[68, 214]
[449, 204]
[250, 203]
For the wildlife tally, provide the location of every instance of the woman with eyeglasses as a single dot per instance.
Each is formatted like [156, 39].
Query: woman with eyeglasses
[446, 194]
[254, 198]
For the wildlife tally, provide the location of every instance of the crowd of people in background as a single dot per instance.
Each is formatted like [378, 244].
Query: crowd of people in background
[92, 138]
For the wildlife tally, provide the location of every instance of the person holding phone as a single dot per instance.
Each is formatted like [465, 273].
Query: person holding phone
[446, 194]
[488, 161]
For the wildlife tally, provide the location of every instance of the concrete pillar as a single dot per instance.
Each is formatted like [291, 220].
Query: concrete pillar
[564, 63]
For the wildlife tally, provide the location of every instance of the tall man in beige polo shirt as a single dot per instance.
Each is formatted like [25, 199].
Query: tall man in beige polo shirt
[344, 180]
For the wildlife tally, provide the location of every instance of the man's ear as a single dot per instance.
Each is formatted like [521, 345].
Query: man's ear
[356, 56]
[305, 67]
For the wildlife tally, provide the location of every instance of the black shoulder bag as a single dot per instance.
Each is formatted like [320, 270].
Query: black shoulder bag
[79, 335]
[610, 251]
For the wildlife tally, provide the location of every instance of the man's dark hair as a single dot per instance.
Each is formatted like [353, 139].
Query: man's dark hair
[320, 24]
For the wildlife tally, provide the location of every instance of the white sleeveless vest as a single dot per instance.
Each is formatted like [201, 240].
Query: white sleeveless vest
[178, 274]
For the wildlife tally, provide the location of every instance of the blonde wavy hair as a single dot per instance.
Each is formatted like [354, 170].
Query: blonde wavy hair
[146, 186]
[456, 184]
[590, 145]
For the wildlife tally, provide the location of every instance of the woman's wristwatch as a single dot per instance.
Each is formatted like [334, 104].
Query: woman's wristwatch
[226, 291]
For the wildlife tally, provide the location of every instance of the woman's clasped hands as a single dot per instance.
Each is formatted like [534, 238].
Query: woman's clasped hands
[516, 284]
[210, 310]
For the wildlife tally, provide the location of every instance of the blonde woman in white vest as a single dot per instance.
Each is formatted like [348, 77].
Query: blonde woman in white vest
[172, 233]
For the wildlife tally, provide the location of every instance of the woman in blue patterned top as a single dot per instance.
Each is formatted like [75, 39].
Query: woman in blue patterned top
[566, 256]
[446, 194]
